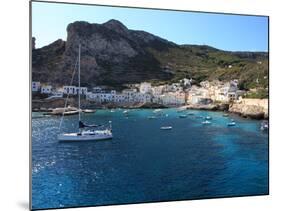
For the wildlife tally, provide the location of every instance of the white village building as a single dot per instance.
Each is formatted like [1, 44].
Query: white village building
[35, 86]
[102, 97]
[73, 90]
[46, 89]
[173, 98]
[145, 87]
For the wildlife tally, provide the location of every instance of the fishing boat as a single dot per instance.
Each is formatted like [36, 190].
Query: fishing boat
[264, 126]
[166, 128]
[183, 116]
[206, 122]
[85, 132]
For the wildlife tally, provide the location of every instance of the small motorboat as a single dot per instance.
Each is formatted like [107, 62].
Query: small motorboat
[166, 128]
[151, 117]
[125, 112]
[183, 116]
[208, 118]
[232, 123]
[225, 115]
[264, 126]
[190, 114]
[89, 111]
[206, 122]
[157, 110]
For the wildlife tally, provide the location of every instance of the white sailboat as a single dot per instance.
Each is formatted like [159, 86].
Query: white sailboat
[86, 132]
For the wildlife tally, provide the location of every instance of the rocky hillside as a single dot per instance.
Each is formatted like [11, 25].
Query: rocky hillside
[112, 55]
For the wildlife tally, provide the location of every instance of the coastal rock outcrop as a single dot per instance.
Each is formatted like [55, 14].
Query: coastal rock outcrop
[253, 108]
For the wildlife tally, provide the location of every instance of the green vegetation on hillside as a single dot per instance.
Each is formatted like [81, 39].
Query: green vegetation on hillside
[260, 93]
[207, 63]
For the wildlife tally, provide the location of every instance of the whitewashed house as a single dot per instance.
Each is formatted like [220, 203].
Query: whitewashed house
[143, 98]
[102, 97]
[228, 92]
[119, 98]
[173, 98]
[186, 82]
[46, 89]
[198, 95]
[97, 89]
[205, 84]
[175, 87]
[145, 87]
[35, 86]
[130, 95]
[157, 90]
[69, 90]
[73, 90]
[95, 97]
[83, 90]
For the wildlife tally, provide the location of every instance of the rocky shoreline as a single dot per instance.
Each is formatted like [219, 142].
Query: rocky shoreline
[248, 108]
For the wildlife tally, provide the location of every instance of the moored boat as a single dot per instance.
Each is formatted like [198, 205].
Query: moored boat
[166, 128]
[206, 122]
[89, 111]
[231, 123]
[85, 132]
[63, 111]
[264, 126]
[87, 135]
[182, 116]
[157, 110]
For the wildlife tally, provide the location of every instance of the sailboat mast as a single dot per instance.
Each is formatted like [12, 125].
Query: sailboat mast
[79, 82]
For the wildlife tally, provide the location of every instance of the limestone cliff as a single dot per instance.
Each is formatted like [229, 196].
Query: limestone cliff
[253, 108]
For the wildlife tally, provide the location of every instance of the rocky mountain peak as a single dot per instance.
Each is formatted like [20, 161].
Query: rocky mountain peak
[112, 54]
[116, 26]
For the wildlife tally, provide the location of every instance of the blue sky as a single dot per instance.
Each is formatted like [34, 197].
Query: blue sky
[226, 32]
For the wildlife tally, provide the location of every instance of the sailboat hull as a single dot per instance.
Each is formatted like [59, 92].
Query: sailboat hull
[80, 137]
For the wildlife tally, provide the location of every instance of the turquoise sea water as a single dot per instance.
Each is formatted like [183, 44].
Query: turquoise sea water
[144, 164]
